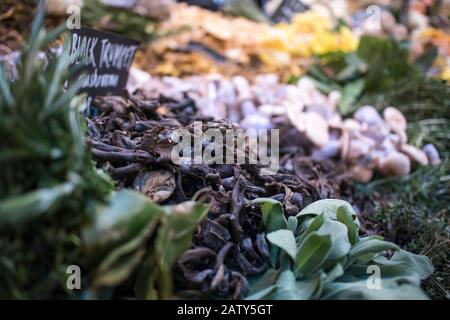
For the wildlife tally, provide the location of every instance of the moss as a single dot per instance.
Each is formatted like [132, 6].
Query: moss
[417, 217]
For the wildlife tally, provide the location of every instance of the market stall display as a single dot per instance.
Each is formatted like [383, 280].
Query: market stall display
[142, 189]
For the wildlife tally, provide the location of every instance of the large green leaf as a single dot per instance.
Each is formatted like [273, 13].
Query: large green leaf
[122, 261]
[266, 293]
[334, 273]
[261, 282]
[20, 209]
[313, 225]
[350, 94]
[175, 237]
[420, 265]
[390, 290]
[352, 228]
[369, 247]
[312, 253]
[288, 288]
[285, 240]
[126, 214]
[327, 207]
[340, 245]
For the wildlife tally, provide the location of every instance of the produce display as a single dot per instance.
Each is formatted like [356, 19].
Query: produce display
[255, 150]
[367, 141]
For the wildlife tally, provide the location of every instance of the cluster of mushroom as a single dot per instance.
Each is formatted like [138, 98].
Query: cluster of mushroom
[368, 142]
[371, 142]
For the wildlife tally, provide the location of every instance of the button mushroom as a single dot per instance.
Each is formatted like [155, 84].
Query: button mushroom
[415, 154]
[432, 154]
[368, 115]
[316, 129]
[394, 119]
[361, 173]
[394, 164]
[357, 149]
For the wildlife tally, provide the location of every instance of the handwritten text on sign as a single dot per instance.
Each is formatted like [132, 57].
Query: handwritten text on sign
[104, 59]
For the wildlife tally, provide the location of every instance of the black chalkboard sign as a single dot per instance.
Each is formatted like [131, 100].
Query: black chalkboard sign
[103, 60]
[287, 9]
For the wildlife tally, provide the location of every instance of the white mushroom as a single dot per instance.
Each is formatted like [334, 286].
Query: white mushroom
[352, 125]
[403, 137]
[387, 21]
[361, 173]
[295, 115]
[272, 109]
[330, 150]
[394, 164]
[256, 121]
[137, 79]
[394, 119]
[345, 144]
[242, 86]
[369, 115]
[335, 121]
[391, 142]
[333, 100]
[432, 154]
[316, 129]
[357, 149]
[415, 154]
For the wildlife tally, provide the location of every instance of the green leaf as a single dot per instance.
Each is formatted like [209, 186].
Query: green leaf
[345, 217]
[387, 61]
[288, 288]
[292, 224]
[420, 264]
[126, 214]
[38, 20]
[350, 94]
[285, 240]
[390, 290]
[20, 209]
[340, 245]
[369, 247]
[312, 253]
[260, 282]
[334, 273]
[265, 293]
[4, 87]
[272, 214]
[121, 262]
[327, 207]
[175, 237]
[315, 224]
[175, 234]
[146, 278]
